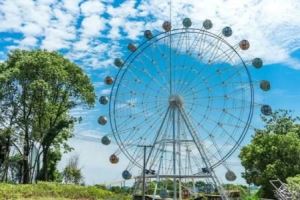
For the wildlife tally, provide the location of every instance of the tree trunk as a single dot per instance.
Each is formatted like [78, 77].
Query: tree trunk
[44, 171]
[26, 177]
[7, 151]
[38, 169]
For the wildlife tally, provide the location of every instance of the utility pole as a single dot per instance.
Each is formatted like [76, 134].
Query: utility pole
[144, 168]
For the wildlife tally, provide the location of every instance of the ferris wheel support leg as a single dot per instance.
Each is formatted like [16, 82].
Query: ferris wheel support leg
[174, 155]
[179, 155]
[201, 150]
[157, 176]
[147, 158]
[157, 135]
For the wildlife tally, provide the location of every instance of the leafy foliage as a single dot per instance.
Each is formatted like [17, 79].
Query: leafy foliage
[274, 152]
[37, 90]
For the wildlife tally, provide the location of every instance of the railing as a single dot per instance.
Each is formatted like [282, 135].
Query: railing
[281, 190]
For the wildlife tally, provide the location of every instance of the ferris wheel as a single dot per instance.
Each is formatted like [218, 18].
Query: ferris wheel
[187, 94]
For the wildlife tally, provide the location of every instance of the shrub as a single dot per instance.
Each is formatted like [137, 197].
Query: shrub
[294, 186]
[44, 190]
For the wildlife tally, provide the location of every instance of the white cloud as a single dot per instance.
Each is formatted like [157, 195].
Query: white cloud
[81, 45]
[56, 39]
[32, 29]
[28, 42]
[92, 7]
[105, 91]
[92, 26]
[72, 6]
[270, 25]
[133, 29]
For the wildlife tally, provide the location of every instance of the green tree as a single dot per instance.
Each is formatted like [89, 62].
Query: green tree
[274, 152]
[72, 172]
[38, 89]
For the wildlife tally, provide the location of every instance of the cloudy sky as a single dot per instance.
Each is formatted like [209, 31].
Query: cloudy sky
[92, 33]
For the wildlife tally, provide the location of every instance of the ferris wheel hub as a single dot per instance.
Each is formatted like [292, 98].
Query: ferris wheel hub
[175, 101]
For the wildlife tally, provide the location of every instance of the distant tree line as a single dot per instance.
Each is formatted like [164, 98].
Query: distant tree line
[37, 91]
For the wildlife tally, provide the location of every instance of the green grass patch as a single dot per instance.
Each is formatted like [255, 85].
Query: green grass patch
[47, 191]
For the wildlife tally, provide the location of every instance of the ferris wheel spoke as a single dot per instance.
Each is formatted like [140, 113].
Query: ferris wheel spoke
[153, 61]
[201, 50]
[218, 124]
[132, 102]
[125, 122]
[206, 48]
[186, 77]
[132, 145]
[229, 137]
[127, 140]
[197, 162]
[202, 150]
[189, 50]
[147, 119]
[198, 38]
[223, 81]
[219, 109]
[237, 118]
[217, 147]
[126, 90]
[217, 48]
[224, 55]
[159, 149]
[193, 66]
[178, 43]
[157, 134]
[146, 72]
[216, 73]
[165, 58]
[235, 100]
[182, 40]
[209, 147]
[124, 125]
[228, 98]
[225, 96]
[214, 50]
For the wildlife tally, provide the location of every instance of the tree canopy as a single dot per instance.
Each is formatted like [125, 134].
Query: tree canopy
[38, 89]
[274, 152]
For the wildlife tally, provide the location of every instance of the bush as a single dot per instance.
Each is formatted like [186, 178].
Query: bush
[251, 197]
[243, 190]
[45, 190]
[294, 186]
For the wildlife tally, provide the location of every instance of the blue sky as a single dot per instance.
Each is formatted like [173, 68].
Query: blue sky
[92, 33]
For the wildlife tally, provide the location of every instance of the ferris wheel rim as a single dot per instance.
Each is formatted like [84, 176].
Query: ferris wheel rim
[146, 44]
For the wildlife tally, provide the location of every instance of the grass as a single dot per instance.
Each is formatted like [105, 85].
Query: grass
[51, 191]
